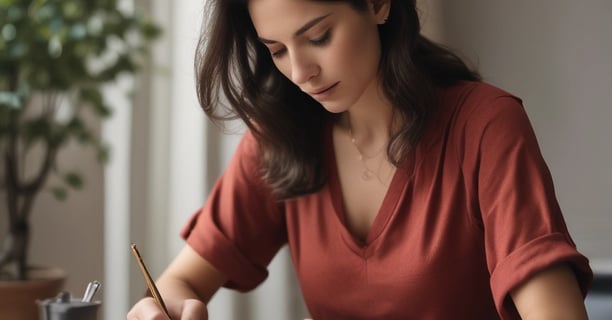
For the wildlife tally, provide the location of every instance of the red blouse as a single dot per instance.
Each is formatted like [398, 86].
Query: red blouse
[469, 215]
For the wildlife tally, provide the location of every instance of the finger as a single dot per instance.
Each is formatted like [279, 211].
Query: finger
[146, 309]
[194, 310]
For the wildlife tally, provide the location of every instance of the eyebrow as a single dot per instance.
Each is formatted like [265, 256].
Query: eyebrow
[301, 30]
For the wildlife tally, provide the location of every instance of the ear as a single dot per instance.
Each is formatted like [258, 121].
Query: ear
[380, 9]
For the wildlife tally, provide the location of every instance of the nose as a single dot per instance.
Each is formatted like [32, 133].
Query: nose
[303, 68]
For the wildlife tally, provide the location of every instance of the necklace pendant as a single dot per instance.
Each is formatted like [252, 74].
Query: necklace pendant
[366, 175]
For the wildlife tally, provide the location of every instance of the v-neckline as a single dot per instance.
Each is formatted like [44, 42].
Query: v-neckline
[387, 209]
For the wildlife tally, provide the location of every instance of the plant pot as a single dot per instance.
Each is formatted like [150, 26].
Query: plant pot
[18, 298]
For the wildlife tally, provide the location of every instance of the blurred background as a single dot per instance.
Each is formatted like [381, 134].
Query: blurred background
[554, 54]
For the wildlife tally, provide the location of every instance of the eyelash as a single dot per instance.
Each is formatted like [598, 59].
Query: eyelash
[279, 53]
[319, 42]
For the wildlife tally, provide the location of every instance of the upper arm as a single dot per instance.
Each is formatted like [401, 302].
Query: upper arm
[516, 207]
[242, 225]
[196, 273]
[550, 294]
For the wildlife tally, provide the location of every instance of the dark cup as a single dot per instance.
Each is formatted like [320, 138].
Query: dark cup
[51, 309]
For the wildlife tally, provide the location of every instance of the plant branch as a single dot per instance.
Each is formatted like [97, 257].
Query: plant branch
[11, 179]
[37, 182]
[15, 187]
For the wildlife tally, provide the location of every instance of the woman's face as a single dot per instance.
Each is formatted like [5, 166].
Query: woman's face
[328, 49]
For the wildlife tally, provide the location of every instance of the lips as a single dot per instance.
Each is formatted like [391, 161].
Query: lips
[322, 92]
[319, 91]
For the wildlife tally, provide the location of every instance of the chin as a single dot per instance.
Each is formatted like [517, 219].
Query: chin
[334, 108]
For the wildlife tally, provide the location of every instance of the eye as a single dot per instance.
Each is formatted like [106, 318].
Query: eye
[322, 40]
[278, 53]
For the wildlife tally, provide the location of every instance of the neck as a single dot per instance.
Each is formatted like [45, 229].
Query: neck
[369, 129]
[370, 120]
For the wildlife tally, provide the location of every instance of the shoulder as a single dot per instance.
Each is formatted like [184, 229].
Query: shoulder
[478, 104]
[469, 103]
[248, 145]
[248, 151]
[467, 96]
[471, 112]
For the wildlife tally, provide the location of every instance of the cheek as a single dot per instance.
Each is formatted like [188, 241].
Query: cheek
[359, 54]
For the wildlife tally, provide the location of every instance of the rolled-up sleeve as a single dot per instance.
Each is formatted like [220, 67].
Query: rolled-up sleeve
[524, 229]
[241, 227]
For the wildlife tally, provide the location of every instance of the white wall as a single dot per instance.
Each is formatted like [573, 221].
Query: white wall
[554, 54]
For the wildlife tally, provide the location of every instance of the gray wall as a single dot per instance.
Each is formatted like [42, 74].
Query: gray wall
[69, 234]
[557, 56]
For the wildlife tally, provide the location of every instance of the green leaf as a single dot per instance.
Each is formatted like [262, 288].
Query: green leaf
[93, 98]
[59, 193]
[78, 130]
[74, 180]
[149, 30]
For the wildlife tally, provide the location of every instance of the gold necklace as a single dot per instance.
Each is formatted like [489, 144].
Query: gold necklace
[367, 174]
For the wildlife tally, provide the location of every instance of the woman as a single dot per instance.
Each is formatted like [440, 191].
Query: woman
[404, 187]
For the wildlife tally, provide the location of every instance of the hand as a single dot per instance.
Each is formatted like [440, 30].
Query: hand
[147, 309]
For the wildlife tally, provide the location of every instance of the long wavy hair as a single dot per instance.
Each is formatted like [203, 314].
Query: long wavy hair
[236, 78]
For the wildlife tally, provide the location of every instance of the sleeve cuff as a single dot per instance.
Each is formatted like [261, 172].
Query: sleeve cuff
[212, 245]
[531, 258]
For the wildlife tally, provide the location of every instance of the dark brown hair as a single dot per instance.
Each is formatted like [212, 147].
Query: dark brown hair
[236, 77]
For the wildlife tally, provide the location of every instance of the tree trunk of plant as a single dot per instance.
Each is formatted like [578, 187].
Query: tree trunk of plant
[15, 243]
[15, 250]
[20, 198]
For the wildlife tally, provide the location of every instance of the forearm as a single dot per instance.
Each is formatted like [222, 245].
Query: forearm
[171, 288]
[552, 294]
[190, 277]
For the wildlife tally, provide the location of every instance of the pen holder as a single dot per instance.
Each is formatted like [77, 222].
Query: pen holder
[52, 309]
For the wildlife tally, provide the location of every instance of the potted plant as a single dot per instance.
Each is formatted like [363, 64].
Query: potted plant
[54, 57]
